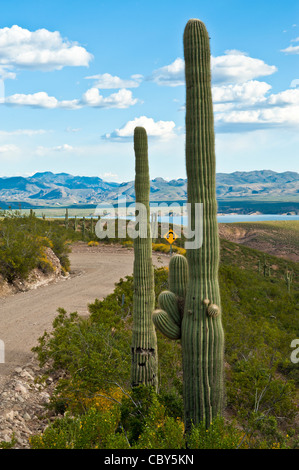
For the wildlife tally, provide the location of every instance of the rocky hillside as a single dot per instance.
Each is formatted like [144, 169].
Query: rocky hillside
[37, 277]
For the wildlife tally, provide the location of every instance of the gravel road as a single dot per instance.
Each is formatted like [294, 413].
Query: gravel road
[25, 316]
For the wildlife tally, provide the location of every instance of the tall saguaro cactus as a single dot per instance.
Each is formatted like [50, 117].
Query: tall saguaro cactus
[200, 328]
[144, 341]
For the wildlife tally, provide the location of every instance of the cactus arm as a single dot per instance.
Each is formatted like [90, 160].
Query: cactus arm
[166, 325]
[168, 302]
[168, 318]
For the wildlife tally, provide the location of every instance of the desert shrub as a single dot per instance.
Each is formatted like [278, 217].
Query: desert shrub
[8, 444]
[138, 421]
[22, 243]
[93, 243]
[45, 264]
[20, 252]
[93, 355]
[262, 399]
[96, 429]
[220, 435]
[165, 248]
[146, 422]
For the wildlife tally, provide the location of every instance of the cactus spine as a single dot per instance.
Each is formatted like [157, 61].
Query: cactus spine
[144, 342]
[201, 329]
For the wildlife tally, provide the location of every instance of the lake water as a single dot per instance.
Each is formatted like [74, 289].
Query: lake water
[255, 218]
[221, 218]
[237, 218]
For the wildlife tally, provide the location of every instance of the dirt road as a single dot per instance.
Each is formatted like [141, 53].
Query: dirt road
[25, 316]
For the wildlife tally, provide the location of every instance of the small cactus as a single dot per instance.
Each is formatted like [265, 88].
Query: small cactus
[83, 228]
[66, 219]
[289, 279]
[91, 226]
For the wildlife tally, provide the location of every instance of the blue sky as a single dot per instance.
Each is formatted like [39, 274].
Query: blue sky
[77, 77]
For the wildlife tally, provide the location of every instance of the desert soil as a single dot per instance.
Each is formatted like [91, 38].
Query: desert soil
[25, 316]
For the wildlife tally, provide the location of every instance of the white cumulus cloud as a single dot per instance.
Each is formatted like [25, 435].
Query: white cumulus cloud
[122, 99]
[294, 83]
[160, 129]
[26, 132]
[259, 118]
[63, 148]
[170, 75]
[8, 148]
[232, 67]
[107, 81]
[39, 50]
[41, 151]
[250, 92]
[237, 67]
[40, 99]
[276, 110]
[92, 97]
[292, 49]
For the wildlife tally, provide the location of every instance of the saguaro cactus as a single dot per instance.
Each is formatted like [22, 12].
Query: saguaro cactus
[200, 329]
[66, 218]
[83, 228]
[289, 279]
[144, 341]
[265, 266]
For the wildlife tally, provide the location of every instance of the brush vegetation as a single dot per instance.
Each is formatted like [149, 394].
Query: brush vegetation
[94, 402]
[23, 240]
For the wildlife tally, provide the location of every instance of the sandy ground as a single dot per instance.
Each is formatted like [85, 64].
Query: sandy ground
[25, 316]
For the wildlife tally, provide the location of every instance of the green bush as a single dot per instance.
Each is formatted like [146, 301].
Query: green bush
[220, 435]
[93, 355]
[93, 430]
[22, 243]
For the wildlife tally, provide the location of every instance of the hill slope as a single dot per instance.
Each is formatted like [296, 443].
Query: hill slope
[279, 238]
[64, 189]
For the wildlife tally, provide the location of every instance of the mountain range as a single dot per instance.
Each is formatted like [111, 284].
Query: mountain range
[63, 189]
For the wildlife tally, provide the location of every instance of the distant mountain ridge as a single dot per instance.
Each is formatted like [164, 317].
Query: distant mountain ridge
[50, 189]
